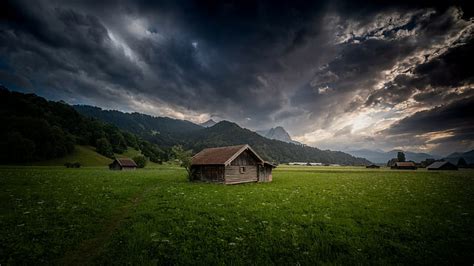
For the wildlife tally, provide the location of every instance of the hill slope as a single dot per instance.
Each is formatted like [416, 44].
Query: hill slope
[35, 129]
[163, 131]
[168, 132]
[226, 133]
[85, 155]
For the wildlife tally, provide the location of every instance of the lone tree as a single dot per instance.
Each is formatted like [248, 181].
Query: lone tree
[462, 163]
[103, 147]
[184, 158]
[140, 160]
[401, 156]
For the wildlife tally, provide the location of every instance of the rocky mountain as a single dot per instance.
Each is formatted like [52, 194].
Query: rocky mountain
[277, 133]
[208, 123]
[381, 157]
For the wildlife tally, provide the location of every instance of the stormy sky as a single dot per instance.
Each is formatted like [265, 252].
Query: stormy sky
[336, 74]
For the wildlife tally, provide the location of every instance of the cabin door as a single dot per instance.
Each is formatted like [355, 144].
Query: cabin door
[261, 173]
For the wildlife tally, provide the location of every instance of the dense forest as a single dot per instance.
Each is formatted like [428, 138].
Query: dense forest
[167, 132]
[35, 129]
[163, 131]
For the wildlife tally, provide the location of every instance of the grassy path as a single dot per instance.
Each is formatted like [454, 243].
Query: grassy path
[90, 249]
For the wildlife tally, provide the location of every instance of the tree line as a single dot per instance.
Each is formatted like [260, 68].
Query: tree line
[35, 129]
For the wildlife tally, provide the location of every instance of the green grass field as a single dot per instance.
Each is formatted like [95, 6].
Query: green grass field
[308, 215]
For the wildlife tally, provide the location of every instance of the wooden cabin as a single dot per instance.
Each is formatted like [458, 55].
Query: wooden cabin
[442, 166]
[123, 164]
[404, 166]
[372, 166]
[230, 165]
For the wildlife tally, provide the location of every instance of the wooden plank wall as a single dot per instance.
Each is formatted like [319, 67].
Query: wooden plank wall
[245, 158]
[209, 173]
[234, 176]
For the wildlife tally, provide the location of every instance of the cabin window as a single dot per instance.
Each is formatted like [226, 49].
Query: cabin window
[242, 169]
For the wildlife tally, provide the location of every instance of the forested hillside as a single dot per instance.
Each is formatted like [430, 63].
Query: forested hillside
[35, 129]
[227, 133]
[163, 131]
[167, 132]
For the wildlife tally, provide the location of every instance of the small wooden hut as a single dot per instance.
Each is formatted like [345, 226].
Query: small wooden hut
[442, 166]
[230, 165]
[373, 166]
[404, 166]
[123, 164]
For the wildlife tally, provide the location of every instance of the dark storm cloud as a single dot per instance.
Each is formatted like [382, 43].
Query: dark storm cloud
[303, 64]
[452, 117]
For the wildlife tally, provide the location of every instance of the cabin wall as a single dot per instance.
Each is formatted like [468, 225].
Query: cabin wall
[208, 173]
[245, 158]
[235, 174]
[242, 169]
[265, 174]
[115, 166]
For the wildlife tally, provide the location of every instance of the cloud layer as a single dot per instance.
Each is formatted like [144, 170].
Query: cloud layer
[335, 75]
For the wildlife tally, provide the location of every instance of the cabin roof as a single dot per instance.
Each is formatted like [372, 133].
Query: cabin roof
[436, 165]
[270, 164]
[405, 164]
[221, 155]
[126, 162]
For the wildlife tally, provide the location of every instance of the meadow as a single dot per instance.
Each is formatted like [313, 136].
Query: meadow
[307, 215]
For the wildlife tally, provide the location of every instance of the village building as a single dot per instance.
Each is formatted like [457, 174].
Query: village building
[372, 166]
[123, 164]
[230, 165]
[442, 166]
[404, 165]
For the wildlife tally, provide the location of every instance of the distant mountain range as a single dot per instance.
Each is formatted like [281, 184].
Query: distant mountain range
[381, 157]
[277, 133]
[454, 157]
[208, 123]
[167, 132]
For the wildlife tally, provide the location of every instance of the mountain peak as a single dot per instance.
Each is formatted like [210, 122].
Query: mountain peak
[278, 133]
[208, 123]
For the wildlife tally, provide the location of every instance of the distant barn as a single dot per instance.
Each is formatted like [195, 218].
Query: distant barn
[404, 165]
[372, 166]
[230, 165]
[442, 166]
[123, 164]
